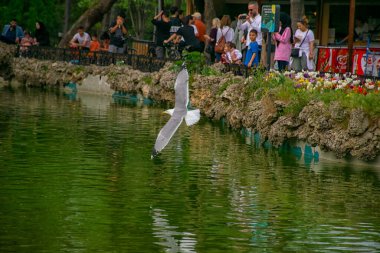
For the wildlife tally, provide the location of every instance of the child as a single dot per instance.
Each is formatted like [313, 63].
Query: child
[251, 58]
[105, 38]
[27, 42]
[234, 55]
[224, 57]
[94, 45]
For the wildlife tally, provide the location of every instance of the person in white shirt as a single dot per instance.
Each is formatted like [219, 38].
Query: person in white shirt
[234, 56]
[252, 21]
[304, 40]
[81, 39]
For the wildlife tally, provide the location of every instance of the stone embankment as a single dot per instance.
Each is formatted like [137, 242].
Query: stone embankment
[348, 134]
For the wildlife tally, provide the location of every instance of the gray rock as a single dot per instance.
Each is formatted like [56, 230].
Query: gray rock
[337, 112]
[358, 122]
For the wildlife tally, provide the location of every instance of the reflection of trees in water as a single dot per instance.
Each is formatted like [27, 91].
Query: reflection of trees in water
[169, 237]
[261, 192]
[208, 186]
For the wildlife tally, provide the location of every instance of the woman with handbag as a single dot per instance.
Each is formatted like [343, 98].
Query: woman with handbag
[303, 51]
[283, 40]
[211, 39]
[225, 34]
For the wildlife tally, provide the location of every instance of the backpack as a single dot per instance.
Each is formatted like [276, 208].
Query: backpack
[219, 46]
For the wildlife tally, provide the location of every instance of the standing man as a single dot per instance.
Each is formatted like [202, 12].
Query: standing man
[117, 32]
[162, 23]
[253, 21]
[12, 33]
[175, 22]
[201, 27]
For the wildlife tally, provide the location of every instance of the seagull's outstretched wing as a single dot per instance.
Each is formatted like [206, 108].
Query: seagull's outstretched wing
[178, 113]
[166, 133]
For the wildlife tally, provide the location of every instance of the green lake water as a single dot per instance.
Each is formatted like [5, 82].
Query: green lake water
[76, 176]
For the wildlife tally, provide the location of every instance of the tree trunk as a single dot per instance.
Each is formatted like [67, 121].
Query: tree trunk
[138, 18]
[297, 10]
[106, 21]
[67, 16]
[88, 19]
[209, 13]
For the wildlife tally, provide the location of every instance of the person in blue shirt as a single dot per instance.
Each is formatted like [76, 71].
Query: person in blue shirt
[252, 57]
[12, 33]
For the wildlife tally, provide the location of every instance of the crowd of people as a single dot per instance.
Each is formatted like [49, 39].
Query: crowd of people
[112, 40]
[14, 34]
[231, 42]
[236, 42]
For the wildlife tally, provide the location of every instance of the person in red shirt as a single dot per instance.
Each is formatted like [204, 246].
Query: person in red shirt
[201, 27]
[95, 44]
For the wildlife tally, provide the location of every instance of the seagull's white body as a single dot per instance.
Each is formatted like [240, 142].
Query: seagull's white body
[178, 113]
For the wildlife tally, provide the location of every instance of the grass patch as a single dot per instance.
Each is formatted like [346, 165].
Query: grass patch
[147, 79]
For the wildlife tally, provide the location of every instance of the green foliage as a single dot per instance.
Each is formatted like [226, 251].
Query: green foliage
[139, 13]
[79, 69]
[86, 3]
[226, 84]
[298, 100]
[369, 103]
[147, 79]
[44, 68]
[50, 12]
[195, 63]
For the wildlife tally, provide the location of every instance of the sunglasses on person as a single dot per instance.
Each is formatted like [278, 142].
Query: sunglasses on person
[250, 9]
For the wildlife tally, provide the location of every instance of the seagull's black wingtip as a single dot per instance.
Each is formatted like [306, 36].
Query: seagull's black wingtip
[154, 153]
[184, 65]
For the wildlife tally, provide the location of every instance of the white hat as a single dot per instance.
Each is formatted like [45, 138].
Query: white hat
[197, 15]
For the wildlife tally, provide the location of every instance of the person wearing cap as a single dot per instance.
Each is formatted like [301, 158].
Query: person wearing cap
[201, 27]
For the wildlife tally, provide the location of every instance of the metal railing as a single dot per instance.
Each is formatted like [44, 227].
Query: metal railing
[143, 63]
[238, 69]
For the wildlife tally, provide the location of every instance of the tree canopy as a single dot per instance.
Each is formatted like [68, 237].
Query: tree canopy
[51, 13]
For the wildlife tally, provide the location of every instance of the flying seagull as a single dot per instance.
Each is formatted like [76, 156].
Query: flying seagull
[179, 112]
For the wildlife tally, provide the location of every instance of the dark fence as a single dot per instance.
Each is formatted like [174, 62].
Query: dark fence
[238, 69]
[139, 57]
[143, 63]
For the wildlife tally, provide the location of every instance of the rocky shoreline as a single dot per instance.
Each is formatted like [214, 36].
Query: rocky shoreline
[348, 134]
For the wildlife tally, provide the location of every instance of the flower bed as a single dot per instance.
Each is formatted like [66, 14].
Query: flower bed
[351, 91]
[322, 81]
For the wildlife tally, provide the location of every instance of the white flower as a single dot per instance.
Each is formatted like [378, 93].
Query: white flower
[340, 87]
[370, 86]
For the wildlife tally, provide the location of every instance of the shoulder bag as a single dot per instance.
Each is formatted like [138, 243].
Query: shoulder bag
[219, 46]
[296, 50]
